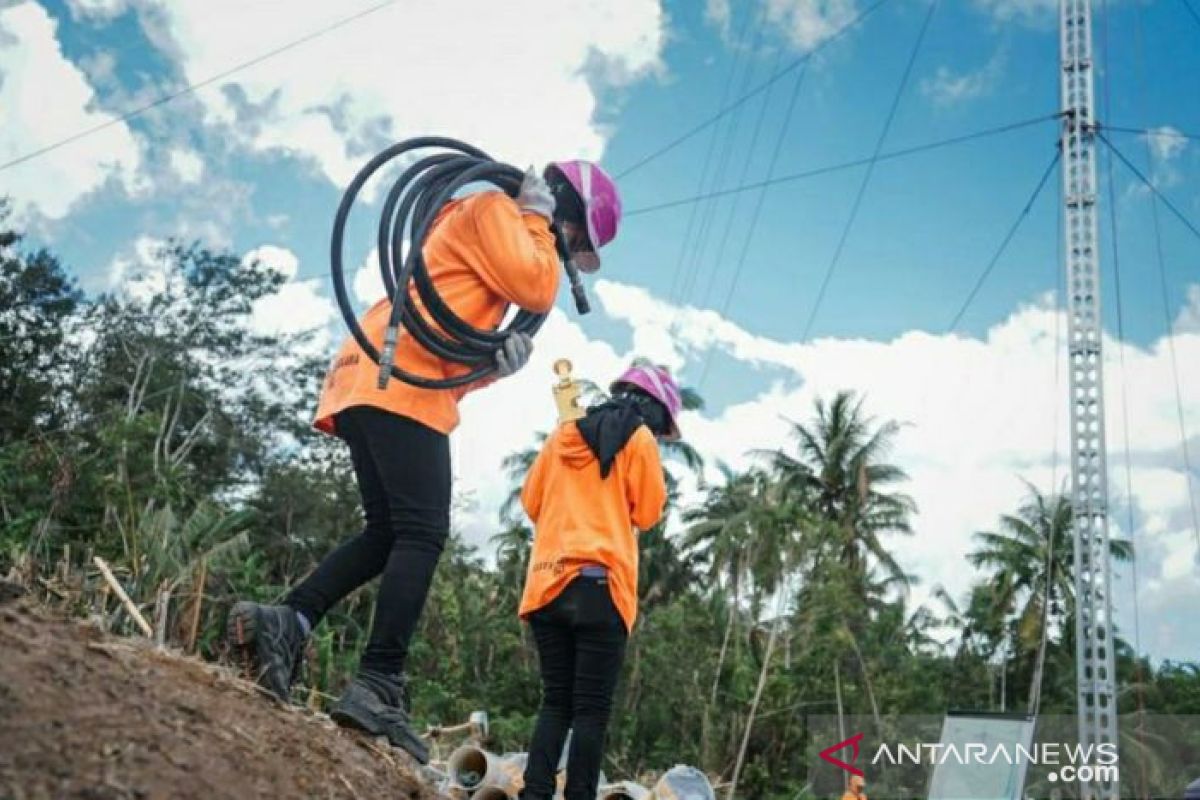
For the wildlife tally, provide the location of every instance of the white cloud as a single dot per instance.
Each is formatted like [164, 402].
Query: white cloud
[807, 23]
[187, 164]
[1167, 144]
[1188, 320]
[97, 9]
[719, 14]
[1031, 11]
[368, 284]
[44, 98]
[516, 78]
[141, 273]
[950, 88]
[979, 414]
[298, 306]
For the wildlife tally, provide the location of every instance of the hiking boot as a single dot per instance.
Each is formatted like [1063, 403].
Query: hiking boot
[374, 703]
[271, 640]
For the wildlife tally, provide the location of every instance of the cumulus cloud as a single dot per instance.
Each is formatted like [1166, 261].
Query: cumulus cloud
[1167, 145]
[482, 72]
[950, 88]
[718, 13]
[807, 23]
[45, 98]
[368, 284]
[298, 306]
[97, 9]
[141, 273]
[187, 164]
[980, 415]
[1188, 320]
[1039, 12]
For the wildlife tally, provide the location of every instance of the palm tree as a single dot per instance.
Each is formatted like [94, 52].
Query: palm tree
[836, 490]
[839, 473]
[721, 532]
[1031, 558]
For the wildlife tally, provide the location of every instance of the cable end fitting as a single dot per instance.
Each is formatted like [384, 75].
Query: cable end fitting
[387, 356]
[577, 289]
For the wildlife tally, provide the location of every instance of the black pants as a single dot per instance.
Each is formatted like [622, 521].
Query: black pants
[403, 473]
[581, 645]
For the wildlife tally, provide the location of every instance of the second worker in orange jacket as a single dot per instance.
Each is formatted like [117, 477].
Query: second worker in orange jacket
[597, 482]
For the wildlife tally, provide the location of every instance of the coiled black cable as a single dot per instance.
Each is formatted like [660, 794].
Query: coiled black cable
[409, 211]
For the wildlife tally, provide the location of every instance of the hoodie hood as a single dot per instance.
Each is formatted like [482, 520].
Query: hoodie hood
[607, 428]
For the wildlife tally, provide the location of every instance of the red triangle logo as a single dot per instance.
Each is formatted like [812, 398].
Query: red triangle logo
[852, 742]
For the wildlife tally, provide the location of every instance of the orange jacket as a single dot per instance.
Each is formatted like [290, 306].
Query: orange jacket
[581, 518]
[482, 254]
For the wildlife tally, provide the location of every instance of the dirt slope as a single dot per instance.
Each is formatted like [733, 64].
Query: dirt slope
[84, 715]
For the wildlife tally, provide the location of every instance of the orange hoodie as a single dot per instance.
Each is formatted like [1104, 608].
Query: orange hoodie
[482, 254]
[581, 518]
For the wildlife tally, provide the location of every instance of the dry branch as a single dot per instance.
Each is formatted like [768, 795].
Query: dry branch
[111, 580]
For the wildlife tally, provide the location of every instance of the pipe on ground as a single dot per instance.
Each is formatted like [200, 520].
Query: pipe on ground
[625, 790]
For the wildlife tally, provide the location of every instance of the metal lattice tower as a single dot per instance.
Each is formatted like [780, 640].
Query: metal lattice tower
[1094, 658]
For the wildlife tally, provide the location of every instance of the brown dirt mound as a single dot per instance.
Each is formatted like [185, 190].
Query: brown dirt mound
[85, 715]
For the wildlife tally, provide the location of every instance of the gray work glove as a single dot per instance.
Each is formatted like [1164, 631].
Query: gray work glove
[514, 354]
[535, 196]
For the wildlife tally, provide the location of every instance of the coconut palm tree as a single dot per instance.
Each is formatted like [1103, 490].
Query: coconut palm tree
[1030, 559]
[720, 531]
[840, 474]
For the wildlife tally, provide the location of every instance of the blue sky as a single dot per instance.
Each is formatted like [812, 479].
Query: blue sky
[248, 163]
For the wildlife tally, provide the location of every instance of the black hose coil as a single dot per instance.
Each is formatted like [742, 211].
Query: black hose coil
[409, 211]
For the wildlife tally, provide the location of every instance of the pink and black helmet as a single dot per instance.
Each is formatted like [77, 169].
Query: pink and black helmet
[659, 384]
[601, 204]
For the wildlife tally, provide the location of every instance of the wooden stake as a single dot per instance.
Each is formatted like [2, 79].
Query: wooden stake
[162, 608]
[111, 580]
[197, 603]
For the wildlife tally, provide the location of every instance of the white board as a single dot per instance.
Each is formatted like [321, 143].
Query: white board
[999, 780]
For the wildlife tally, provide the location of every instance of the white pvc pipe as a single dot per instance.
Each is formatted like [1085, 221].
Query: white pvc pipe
[491, 793]
[625, 790]
[472, 767]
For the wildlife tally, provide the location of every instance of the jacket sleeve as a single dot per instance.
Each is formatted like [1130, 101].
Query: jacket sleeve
[535, 484]
[646, 486]
[520, 262]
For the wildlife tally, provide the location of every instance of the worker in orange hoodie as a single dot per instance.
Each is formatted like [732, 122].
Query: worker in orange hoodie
[595, 481]
[485, 252]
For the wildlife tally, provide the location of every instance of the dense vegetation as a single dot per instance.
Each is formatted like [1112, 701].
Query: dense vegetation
[157, 430]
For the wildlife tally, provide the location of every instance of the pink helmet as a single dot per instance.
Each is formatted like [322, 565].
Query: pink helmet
[601, 202]
[659, 384]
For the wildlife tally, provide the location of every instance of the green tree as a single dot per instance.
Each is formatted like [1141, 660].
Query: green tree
[1030, 561]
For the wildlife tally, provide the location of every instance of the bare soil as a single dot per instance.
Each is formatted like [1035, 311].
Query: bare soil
[90, 716]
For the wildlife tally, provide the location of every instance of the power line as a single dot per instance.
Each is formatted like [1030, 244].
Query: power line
[193, 87]
[1124, 383]
[731, 216]
[688, 239]
[706, 221]
[1008, 237]
[671, 145]
[862, 187]
[1150, 185]
[845, 165]
[1191, 10]
[757, 212]
[1162, 277]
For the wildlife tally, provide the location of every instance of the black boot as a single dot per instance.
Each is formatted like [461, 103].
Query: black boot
[374, 702]
[271, 639]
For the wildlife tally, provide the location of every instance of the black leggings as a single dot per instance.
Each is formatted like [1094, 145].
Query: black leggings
[403, 473]
[581, 646]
